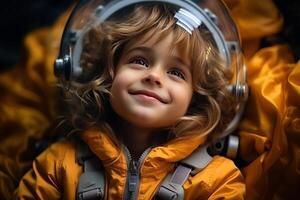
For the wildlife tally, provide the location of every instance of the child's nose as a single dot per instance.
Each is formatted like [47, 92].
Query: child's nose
[154, 77]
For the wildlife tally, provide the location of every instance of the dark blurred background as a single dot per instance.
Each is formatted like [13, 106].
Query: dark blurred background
[18, 17]
[290, 10]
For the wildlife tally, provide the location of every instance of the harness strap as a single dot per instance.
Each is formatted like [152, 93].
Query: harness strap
[198, 160]
[91, 183]
[172, 186]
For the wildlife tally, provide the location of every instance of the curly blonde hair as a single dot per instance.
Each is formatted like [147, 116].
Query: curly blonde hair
[211, 108]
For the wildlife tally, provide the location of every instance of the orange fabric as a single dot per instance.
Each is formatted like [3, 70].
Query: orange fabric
[255, 19]
[27, 104]
[270, 127]
[269, 130]
[55, 173]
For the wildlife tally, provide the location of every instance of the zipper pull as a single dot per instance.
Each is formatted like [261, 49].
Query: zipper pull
[133, 179]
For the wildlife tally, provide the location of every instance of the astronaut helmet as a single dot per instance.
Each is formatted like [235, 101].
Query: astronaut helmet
[210, 16]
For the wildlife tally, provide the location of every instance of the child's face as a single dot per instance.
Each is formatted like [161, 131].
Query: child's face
[152, 87]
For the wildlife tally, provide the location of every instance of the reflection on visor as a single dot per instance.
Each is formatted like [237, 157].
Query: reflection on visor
[187, 20]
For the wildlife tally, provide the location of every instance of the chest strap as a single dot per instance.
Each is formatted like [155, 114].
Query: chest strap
[91, 185]
[172, 186]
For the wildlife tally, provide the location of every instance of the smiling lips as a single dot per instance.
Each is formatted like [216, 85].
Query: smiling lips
[150, 94]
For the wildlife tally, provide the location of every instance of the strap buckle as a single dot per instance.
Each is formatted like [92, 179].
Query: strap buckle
[92, 194]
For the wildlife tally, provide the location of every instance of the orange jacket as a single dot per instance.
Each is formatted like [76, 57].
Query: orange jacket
[55, 173]
[268, 131]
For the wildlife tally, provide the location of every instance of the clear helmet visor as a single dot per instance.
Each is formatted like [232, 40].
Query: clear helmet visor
[204, 16]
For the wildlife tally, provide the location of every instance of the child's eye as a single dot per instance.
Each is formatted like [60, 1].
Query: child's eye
[139, 61]
[177, 72]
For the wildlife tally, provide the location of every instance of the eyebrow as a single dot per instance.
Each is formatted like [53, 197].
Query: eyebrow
[150, 51]
[140, 48]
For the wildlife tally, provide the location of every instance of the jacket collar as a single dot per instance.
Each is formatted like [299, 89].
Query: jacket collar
[109, 151]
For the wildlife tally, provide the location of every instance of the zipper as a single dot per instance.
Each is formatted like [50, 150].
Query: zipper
[133, 174]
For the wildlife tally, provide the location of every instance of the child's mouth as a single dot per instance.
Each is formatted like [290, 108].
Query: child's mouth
[148, 95]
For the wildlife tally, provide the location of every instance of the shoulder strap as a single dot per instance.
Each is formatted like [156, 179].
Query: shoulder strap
[171, 188]
[198, 160]
[91, 183]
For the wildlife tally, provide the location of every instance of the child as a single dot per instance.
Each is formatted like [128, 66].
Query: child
[160, 94]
